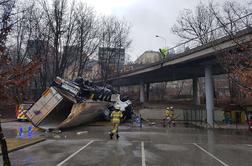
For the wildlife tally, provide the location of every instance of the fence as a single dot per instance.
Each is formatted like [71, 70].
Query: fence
[194, 115]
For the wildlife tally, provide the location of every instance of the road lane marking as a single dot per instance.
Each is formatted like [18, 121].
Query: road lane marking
[143, 154]
[129, 141]
[64, 161]
[210, 154]
[249, 145]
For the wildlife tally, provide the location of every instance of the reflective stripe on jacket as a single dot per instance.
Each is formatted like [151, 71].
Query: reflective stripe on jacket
[168, 113]
[116, 116]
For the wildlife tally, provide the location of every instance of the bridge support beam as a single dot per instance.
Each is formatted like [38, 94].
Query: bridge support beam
[196, 92]
[142, 94]
[147, 92]
[209, 94]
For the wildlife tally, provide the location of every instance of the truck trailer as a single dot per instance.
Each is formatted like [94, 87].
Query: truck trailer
[67, 104]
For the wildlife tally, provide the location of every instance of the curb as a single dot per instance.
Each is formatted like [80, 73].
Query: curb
[25, 145]
[218, 127]
[8, 120]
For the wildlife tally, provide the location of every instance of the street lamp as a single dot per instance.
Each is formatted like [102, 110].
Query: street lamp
[161, 37]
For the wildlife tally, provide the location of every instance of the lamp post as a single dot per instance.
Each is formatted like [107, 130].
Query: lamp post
[161, 37]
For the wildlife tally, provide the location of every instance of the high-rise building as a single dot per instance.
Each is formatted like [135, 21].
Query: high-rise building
[111, 60]
[40, 49]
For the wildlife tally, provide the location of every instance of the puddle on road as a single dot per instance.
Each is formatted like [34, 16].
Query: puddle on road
[168, 147]
[26, 132]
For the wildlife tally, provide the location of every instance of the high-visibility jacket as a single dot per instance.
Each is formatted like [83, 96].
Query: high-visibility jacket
[164, 51]
[169, 113]
[116, 116]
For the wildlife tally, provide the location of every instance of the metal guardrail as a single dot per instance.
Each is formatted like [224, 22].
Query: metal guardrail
[194, 115]
[239, 24]
[233, 27]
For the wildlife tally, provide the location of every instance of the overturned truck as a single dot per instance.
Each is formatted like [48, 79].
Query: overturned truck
[71, 103]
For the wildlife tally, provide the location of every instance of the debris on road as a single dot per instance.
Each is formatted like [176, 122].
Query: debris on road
[56, 136]
[82, 132]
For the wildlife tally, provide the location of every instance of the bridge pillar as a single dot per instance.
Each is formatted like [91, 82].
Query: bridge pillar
[196, 92]
[142, 94]
[147, 92]
[209, 94]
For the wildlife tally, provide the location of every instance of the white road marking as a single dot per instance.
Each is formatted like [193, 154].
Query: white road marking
[210, 154]
[64, 161]
[143, 154]
[249, 145]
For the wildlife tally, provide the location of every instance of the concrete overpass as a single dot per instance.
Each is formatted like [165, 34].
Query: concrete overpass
[186, 65]
[197, 62]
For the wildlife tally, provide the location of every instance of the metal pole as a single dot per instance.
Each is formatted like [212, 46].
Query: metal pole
[209, 94]
[6, 160]
[142, 95]
[161, 37]
[196, 95]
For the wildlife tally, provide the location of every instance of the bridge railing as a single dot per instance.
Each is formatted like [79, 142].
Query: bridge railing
[226, 29]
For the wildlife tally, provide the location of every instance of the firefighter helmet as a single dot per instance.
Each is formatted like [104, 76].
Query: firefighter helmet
[117, 106]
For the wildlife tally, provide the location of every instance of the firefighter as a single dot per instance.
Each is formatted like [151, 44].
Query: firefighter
[164, 52]
[173, 117]
[116, 115]
[169, 116]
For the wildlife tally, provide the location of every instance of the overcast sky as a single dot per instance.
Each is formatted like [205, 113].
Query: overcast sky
[148, 18]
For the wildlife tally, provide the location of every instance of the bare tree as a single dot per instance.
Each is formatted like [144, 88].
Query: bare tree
[74, 34]
[230, 18]
[115, 36]
[64, 37]
[6, 10]
[225, 20]
[196, 24]
[12, 75]
[87, 36]
[237, 62]
[41, 46]
[232, 11]
[68, 40]
[56, 21]
[179, 88]
[31, 34]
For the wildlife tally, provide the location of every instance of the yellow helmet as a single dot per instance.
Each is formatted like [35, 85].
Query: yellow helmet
[117, 106]
[169, 108]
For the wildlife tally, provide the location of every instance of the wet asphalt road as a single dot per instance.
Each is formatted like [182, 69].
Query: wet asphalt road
[154, 146]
